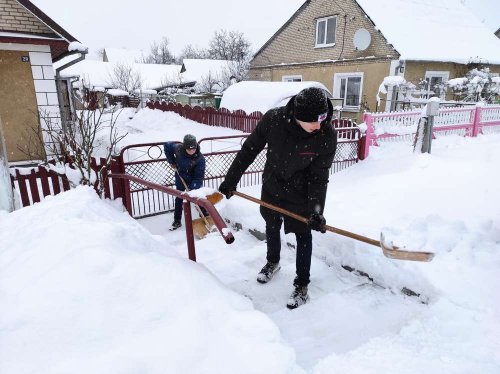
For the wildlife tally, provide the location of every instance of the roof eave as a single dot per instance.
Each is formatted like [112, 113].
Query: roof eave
[49, 22]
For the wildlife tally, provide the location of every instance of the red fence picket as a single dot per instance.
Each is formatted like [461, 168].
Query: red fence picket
[237, 120]
[33, 183]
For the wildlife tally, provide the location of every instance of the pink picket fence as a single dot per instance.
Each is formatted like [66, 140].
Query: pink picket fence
[237, 120]
[402, 126]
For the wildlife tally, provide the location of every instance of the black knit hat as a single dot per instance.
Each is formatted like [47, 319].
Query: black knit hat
[189, 142]
[311, 105]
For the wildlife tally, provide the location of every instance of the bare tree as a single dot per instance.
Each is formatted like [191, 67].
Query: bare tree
[93, 132]
[160, 53]
[125, 77]
[190, 51]
[209, 83]
[229, 45]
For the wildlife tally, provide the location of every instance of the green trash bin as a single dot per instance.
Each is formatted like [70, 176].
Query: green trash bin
[217, 102]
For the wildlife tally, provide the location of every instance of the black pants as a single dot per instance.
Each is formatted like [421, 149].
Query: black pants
[304, 249]
[178, 207]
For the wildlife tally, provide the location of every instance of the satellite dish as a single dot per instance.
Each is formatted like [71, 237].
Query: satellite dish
[362, 39]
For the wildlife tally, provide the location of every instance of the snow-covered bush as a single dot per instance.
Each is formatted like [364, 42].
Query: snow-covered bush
[479, 84]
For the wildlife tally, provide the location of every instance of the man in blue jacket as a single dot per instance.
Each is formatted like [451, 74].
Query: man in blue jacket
[188, 161]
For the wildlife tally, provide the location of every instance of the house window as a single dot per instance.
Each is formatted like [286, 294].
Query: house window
[325, 31]
[348, 88]
[291, 78]
[434, 83]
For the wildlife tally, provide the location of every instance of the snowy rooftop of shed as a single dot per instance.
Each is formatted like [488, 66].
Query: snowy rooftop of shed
[99, 73]
[429, 30]
[197, 69]
[257, 96]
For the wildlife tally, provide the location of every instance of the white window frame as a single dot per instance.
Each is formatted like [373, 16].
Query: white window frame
[325, 44]
[291, 78]
[337, 85]
[438, 74]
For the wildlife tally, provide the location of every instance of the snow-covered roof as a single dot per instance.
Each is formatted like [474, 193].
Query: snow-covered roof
[98, 73]
[257, 96]
[117, 92]
[124, 55]
[429, 30]
[194, 70]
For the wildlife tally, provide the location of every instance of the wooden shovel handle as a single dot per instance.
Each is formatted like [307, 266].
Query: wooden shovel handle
[305, 220]
[389, 251]
[196, 205]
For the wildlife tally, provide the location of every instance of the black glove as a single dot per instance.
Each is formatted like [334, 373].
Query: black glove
[317, 222]
[226, 189]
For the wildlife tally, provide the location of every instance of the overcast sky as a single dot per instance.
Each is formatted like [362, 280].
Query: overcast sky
[135, 24]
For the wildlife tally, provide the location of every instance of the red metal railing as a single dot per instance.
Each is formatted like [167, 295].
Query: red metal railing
[214, 214]
[148, 162]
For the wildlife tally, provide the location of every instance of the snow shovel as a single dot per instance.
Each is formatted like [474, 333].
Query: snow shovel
[202, 226]
[389, 250]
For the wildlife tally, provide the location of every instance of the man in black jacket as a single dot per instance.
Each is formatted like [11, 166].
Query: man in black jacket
[301, 144]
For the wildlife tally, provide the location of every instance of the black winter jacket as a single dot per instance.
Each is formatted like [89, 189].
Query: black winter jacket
[297, 166]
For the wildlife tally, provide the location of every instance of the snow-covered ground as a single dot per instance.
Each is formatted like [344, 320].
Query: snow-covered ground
[85, 288]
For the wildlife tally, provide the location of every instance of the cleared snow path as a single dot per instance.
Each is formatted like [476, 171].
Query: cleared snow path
[345, 310]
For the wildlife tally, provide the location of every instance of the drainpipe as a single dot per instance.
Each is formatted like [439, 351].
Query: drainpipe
[59, 93]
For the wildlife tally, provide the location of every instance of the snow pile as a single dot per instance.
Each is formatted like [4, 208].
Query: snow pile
[77, 46]
[445, 203]
[457, 83]
[85, 289]
[153, 125]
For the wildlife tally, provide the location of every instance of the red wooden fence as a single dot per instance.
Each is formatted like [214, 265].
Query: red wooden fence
[237, 120]
[36, 183]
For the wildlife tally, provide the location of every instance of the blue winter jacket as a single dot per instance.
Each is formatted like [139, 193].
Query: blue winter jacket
[191, 168]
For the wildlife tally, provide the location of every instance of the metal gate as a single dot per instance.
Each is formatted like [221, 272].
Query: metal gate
[148, 162]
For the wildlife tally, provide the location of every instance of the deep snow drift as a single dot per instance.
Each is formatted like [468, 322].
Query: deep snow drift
[84, 288]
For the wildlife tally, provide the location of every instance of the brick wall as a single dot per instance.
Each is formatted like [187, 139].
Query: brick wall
[13, 17]
[296, 42]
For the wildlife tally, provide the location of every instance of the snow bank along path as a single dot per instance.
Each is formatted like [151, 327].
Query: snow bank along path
[84, 288]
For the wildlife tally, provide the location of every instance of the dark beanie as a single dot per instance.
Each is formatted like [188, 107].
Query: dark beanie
[189, 142]
[311, 105]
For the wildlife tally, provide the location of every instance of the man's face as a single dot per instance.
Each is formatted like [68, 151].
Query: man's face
[309, 126]
[191, 151]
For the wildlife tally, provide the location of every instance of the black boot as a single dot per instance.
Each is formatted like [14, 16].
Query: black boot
[175, 225]
[268, 271]
[298, 297]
